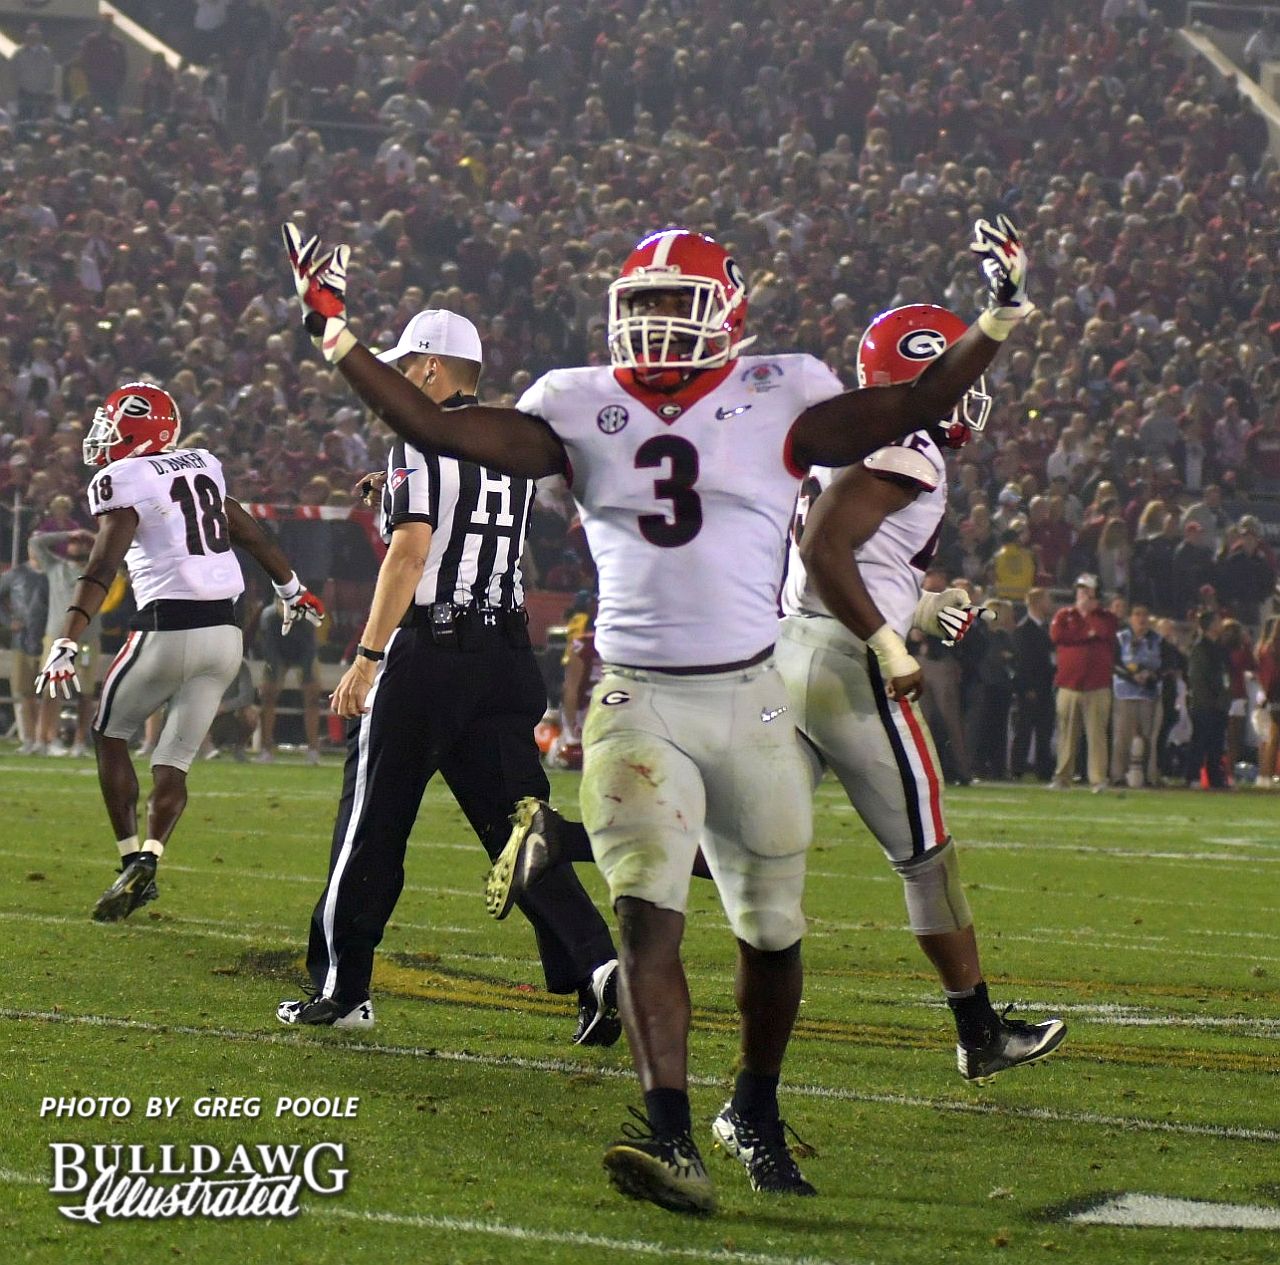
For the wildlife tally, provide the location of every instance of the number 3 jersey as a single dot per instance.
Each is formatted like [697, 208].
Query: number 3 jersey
[894, 560]
[686, 499]
[182, 547]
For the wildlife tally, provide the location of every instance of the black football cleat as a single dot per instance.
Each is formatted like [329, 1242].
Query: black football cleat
[324, 1012]
[1011, 1044]
[761, 1147]
[135, 886]
[598, 1022]
[531, 850]
[664, 1169]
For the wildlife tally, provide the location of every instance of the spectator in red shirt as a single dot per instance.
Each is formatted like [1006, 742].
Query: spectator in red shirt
[1084, 636]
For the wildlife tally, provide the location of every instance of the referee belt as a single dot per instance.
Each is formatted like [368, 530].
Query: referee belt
[447, 622]
[176, 614]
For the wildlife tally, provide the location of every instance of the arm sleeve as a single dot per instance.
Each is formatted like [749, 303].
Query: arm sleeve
[117, 487]
[412, 492]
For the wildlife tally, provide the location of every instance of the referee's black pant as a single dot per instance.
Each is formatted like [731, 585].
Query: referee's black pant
[470, 713]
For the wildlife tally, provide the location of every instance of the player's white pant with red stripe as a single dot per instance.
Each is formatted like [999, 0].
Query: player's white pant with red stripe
[188, 669]
[879, 748]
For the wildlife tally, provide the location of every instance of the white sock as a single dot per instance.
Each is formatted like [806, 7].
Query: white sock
[127, 845]
[154, 846]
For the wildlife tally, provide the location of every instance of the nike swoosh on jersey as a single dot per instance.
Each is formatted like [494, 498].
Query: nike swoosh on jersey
[767, 715]
[723, 414]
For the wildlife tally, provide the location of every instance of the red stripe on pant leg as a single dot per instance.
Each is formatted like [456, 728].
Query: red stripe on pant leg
[120, 654]
[930, 773]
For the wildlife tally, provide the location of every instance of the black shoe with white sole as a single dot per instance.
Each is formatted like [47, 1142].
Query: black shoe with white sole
[1011, 1044]
[135, 886]
[598, 1022]
[324, 1012]
[761, 1147]
[665, 1169]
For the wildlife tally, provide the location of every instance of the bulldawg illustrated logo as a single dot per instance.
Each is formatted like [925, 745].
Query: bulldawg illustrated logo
[118, 1181]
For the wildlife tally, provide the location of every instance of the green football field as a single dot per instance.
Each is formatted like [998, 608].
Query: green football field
[1150, 922]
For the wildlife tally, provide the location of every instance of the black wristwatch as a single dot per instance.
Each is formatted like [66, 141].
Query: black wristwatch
[363, 652]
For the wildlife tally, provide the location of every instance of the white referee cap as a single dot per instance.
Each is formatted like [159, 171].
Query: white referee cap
[437, 332]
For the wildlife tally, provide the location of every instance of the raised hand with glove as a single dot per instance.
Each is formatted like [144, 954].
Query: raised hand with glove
[949, 615]
[1004, 265]
[321, 283]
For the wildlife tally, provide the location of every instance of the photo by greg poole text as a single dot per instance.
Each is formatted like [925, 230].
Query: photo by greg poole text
[116, 1181]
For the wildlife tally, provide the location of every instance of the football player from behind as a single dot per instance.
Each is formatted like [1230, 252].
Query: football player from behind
[166, 515]
[684, 459]
[862, 540]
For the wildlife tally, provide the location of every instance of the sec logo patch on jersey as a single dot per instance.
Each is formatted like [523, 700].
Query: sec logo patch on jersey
[612, 418]
[398, 476]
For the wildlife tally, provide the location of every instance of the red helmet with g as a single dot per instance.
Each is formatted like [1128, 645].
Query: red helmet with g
[705, 333]
[135, 420]
[898, 344]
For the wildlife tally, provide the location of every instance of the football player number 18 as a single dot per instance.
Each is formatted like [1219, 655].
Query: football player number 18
[684, 521]
[206, 520]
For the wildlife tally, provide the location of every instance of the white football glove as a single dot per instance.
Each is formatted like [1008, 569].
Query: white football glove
[60, 670]
[321, 283]
[949, 615]
[297, 603]
[1004, 266]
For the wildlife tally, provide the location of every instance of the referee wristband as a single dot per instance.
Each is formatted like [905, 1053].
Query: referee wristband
[377, 656]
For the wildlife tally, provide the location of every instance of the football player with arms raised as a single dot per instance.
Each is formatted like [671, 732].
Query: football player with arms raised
[684, 458]
[862, 541]
[166, 515]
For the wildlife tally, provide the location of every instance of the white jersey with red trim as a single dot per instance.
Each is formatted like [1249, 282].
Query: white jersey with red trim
[894, 560]
[686, 500]
[182, 547]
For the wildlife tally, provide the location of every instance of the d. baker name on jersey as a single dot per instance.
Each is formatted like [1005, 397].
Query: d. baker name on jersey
[177, 461]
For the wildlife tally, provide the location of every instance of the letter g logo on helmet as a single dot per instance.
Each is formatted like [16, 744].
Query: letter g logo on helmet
[922, 344]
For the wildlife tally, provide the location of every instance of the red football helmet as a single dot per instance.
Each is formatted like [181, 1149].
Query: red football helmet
[134, 420]
[707, 334]
[899, 343]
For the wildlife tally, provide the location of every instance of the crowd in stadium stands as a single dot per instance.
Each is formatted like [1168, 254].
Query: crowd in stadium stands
[500, 157]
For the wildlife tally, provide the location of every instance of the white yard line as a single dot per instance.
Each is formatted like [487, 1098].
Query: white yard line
[1181, 1214]
[527, 1234]
[571, 1067]
[519, 1233]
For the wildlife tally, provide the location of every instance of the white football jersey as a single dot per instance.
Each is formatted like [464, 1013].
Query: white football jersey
[894, 560]
[686, 500]
[182, 548]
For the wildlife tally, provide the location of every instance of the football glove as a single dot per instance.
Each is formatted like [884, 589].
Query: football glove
[321, 283]
[1004, 266]
[949, 615]
[60, 670]
[297, 603]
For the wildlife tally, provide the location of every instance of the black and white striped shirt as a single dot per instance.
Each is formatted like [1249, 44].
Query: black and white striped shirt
[479, 519]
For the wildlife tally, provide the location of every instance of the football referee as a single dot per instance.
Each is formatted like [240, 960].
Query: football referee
[444, 679]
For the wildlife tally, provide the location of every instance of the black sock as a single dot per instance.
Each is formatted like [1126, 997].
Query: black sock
[668, 1111]
[756, 1096]
[976, 1021]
